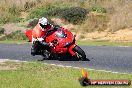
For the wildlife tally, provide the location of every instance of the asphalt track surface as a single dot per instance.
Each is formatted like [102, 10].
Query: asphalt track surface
[109, 58]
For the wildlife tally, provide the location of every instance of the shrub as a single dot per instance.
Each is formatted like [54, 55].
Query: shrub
[98, 9]
[32, 23]
[17, 35]
[53, 11]
[47, 11]
[2, 30]
[73, 14]
[36, 13]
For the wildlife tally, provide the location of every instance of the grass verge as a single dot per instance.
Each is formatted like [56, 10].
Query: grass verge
[39, 75]
[104, 43]
[88, 43]
[14, 42]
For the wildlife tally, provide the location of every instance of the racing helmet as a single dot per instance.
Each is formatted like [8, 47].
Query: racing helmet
[44, 23]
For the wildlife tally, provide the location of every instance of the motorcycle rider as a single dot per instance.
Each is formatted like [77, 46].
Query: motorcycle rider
[38, 34]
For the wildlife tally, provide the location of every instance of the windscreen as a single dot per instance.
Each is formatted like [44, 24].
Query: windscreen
[61, 34]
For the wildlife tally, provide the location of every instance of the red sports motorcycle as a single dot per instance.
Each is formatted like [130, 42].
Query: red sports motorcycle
[63, 45]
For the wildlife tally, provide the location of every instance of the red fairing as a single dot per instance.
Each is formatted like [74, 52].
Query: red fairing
[71, 49]
[63, 37]
[28, 33]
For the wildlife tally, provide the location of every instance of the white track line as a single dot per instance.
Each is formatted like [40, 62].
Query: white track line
[123, 46]
[4, 60]
[87, 69]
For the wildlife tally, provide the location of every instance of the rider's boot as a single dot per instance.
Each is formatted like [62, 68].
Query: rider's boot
[46, 55]
[33, 53]
[33, 50]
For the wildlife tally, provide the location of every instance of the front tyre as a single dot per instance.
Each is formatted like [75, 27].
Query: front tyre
[80, 54]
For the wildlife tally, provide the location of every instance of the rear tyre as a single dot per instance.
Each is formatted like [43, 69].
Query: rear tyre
[80, 54]
[46, 54]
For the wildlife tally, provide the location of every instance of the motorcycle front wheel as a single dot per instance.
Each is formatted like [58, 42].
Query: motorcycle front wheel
[80, 54]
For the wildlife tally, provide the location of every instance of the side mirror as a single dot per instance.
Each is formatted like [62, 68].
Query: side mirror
[74, 35]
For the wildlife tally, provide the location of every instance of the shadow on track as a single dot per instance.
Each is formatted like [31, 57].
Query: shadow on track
[72, 59]
[63, 59]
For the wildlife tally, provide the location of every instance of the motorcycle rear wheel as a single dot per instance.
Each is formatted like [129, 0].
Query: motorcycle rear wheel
[80, 54]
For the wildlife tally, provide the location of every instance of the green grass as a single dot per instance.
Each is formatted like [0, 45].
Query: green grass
[66, 13]
[17, 35]
[39, 75]
[104, 43]
[14, 42]
[88, 43]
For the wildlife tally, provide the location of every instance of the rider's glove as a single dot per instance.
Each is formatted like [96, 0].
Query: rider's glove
[50, 44]
[44, 43]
